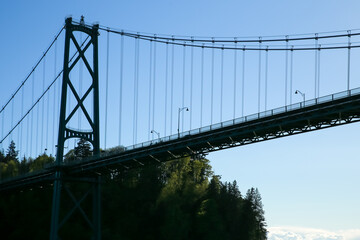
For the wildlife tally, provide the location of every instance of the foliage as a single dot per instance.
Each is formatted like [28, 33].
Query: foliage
[11, 153]
[83, 149]
[180, 199]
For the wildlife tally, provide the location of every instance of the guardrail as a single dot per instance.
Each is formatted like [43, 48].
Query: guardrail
[269, 113]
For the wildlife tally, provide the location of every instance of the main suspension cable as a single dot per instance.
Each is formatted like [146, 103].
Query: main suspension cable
[32, 70]
[36, 102]
[227, 39]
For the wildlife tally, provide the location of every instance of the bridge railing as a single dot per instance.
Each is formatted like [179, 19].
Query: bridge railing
[252, 117]
[255, 116]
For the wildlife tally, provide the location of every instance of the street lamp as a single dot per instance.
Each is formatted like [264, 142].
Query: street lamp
[180, 110]
[302, 94]
[153, 131]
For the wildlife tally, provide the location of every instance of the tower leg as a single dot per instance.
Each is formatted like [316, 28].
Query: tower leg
[97, 208]
[55, 207]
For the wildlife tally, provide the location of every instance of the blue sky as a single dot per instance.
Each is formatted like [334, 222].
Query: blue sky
[306, 181]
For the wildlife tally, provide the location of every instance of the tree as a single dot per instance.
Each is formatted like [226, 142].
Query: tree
[11, 153]
[180, 199]
[83, 149]
[2, 156]
[253, 215]
[40, 162]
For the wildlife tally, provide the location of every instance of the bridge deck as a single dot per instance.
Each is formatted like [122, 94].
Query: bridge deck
[332, 110]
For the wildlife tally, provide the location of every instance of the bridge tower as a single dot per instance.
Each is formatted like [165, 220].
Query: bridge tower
[66, 133]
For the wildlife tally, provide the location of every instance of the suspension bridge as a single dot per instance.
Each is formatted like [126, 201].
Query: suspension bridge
[142, 98]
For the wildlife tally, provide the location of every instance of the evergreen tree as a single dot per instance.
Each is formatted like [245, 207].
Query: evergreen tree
[180, 199]
[83, 149]
[253, 217]
[2, 156]
[11, 153]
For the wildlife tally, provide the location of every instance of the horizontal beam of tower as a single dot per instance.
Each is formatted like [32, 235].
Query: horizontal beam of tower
[324, 112]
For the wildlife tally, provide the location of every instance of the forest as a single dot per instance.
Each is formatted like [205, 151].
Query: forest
[179, 199]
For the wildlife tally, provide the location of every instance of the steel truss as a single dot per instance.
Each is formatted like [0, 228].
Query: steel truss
[319, 116]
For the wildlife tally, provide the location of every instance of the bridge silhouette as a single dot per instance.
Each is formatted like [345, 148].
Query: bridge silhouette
[237, 91]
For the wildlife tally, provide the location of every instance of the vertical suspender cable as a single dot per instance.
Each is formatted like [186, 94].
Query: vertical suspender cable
[348, 64]
[286, 69]
[42, 114]
[121, 83]
[291, 72]
[136, 82]
[212, 83]
[54, 105]
[137, 89]
[166, 83]
[135, 77]
[47, 121]
[12, 118]
[154, 89]
[235, 63]
[27, 135]
[191, 83]
[21, 147]
[37, 129]
[222, 82]
[259, 82]
[266, 75]
[20, 139]
[150, 88]
[318, 72]
[107, 86]
[32, 115]
[316, 62]
[172, 87]
[183, 87]
[202, 85]
[59, 90]
[2, 131]
[243, 83]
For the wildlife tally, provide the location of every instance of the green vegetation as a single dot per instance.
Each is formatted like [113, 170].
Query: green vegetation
[181, 199]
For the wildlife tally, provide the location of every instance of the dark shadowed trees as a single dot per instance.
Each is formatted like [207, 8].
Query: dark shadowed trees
[180, 199]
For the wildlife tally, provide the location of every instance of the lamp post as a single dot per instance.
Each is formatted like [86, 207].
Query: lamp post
[180, 110]
[302, 94]
[153, 131]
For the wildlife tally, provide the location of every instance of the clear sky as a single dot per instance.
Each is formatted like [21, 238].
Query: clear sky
[308, 181]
